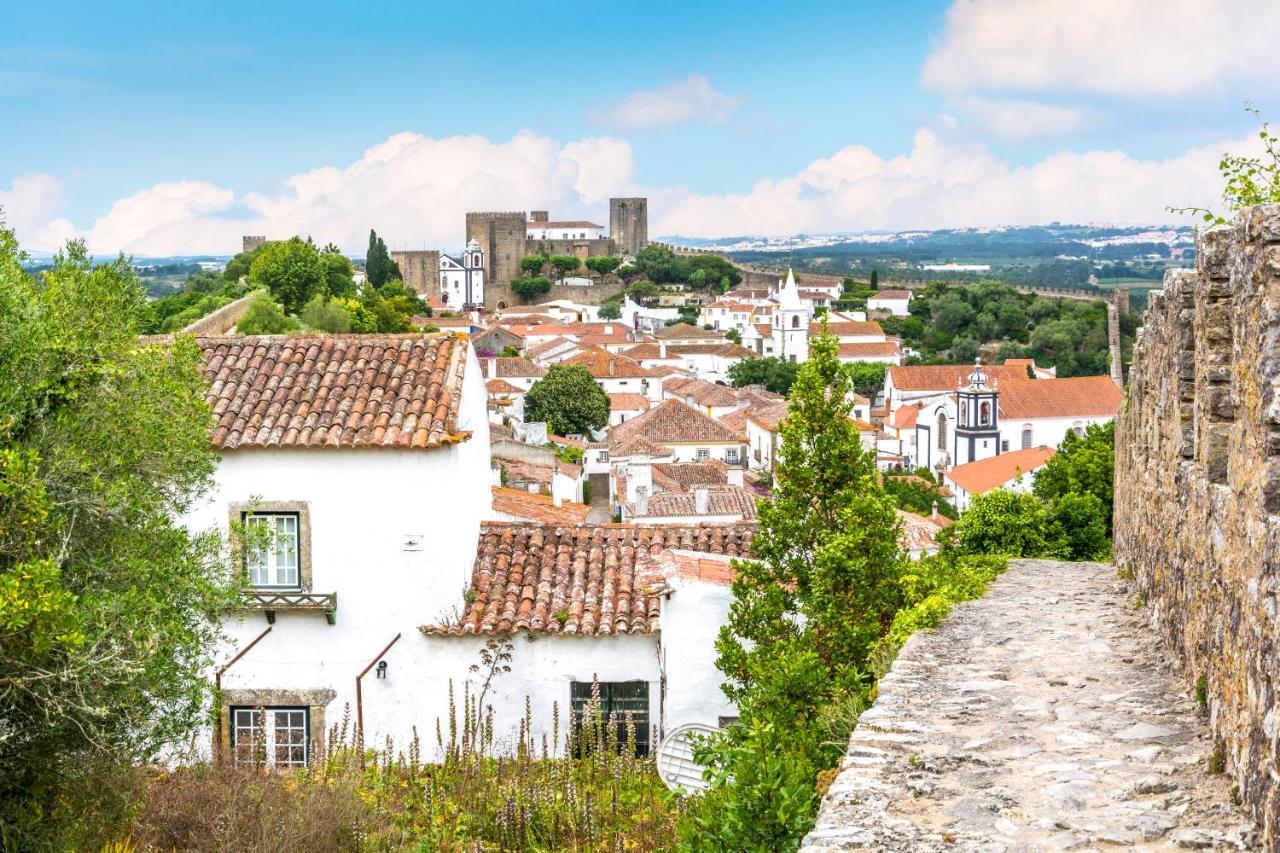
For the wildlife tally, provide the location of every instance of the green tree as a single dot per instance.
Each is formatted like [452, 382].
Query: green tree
[821, 590]
[867, 378]
[603, 264]
[530, 288]
[378, 266]
[569, 400]
[510, 352]
[1080, 521]
[533, 264]
[265, 317]
[733, 335]
[611, 310]
[659, 264]
[1001, 521]
[326, 314]
[964, 349]
[874, 284]
[238, 267]
[291, 270]
[772, 372]
[643, 290]
[1083, 465]
[565, 264]
[1249, 180]
[339, 274]
[107, 604]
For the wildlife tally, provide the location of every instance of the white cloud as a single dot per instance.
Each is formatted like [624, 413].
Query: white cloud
[692, 100]
[30, 206]
[942, 185]
[414, 189]
[1131, 48]
[1017, 120]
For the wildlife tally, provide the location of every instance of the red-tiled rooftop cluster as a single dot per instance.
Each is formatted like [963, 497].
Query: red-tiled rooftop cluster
[587, 580]
[334, 390]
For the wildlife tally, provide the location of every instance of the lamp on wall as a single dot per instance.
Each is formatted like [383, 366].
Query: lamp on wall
[382, 669]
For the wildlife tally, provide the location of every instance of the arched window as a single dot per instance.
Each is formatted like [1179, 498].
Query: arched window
[942, 431]
[984, 412]
[964, 412]
[1026, 437]
[795, 321]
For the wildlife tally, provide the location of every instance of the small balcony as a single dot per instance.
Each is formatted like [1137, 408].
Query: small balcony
[270, 601]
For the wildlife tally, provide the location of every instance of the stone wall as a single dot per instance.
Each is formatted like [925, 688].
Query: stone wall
[223, 320]
[1198, 490]
[629, 223]
[502, 239]
[421, 271]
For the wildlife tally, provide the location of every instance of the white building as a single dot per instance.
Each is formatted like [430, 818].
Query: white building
[896, 302]
[1014, 470]
[575, 230]
[378, 581]
[462, 282]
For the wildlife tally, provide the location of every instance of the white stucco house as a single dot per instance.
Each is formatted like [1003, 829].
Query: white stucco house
[1015, 471]
[362, 465]
[896, 302]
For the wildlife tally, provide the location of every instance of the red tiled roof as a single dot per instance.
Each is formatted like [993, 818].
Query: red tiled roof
[674, 422]
[554, 343]
[501, 386]
[702, 392]
[869, 349]
[628, 403]
[723, 500]
[586, 580]
[514, 367]
[892, 294]
[848, 327]
[906, 416]
[679, 331]
[531, 506]
[992, 472]
[1078, 396]
[603, 364]
[918, 533]
[769, 417]
[334, 390]
[681, 476]
[945, 377]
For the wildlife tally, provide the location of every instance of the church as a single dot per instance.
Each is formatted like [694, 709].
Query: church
[462, 282]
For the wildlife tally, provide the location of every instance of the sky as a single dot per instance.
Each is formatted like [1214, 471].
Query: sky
[174, 128]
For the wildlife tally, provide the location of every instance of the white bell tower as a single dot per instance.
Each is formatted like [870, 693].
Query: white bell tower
[790, 322]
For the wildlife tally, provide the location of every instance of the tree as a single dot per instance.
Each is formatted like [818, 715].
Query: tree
[1002, 521]
[565, 264]
[611, 310]
[108, 606]
[866, 377]
[569, 400]
[1249, 180]
[806, 612]
[733, 335]
[510, 352]
[533, 264]
[238, 267]
[772, 372]
[1083, 465]
[265, 317]
[964, 349]
[659, 264]
[603, 264]
[874, 284]
[339, 274]
[327, 314]
[643, 289]
[378, 266]
[1081, 521]
[530, 288]
[291, 270]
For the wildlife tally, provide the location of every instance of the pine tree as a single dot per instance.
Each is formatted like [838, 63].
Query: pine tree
[378, 265]
[875, 279]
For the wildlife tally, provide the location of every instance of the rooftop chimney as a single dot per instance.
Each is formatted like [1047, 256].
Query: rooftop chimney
[701, 499]
[734, 476]
[490, 367]
[662, 349]
[556, 500]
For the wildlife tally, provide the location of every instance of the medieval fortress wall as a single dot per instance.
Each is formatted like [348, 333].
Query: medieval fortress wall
[1197, 501]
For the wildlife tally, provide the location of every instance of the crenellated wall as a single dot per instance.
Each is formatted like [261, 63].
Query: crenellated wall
[1197, 490]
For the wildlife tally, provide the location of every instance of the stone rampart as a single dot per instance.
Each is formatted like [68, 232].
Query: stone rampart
[1197, 499]
[223, 320]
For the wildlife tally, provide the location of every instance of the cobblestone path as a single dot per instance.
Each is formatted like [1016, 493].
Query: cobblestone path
[1044, 716]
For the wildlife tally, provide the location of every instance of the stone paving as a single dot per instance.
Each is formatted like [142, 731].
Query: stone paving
[1044, 716]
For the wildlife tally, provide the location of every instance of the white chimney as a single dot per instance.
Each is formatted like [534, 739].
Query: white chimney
[556, 500]
[701, 499]
[662, 349]
[490, 367]
[734, 476]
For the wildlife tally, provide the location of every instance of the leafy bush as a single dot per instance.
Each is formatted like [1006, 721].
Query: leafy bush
[291, 270]
[1084, 465]
[325, 314]
[265, 317]
[569, 400]
[773, 373]
[529, 288]
[603, 264]
[1002, 521]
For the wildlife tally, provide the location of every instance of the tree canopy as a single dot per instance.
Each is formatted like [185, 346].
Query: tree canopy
[773, 373]
[569, 400]
[106, 602]
[378, 266]
[291, 270]
[1083, 465]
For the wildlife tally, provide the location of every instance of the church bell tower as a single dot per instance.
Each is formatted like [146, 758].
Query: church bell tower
[977, 433]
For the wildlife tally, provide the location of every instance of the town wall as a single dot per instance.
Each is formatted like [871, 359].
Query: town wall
[583, 249]
[629, 223]
[420, 271]
[223, 320]
[249, 242]
[1197, 500]
[502, 239]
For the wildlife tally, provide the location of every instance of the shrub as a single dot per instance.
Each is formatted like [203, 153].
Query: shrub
[326, 315]
[529, 288]
[265, 317]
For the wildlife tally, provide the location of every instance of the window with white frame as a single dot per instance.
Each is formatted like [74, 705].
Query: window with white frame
[272, 559]
[703, 454]
[731, 456]
[276, 737]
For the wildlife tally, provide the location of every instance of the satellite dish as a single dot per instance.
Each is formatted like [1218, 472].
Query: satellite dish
[676, 766]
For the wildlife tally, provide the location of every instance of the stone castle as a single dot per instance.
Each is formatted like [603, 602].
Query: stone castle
[1197, 491]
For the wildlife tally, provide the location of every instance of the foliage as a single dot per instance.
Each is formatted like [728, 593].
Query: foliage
[662, 266]
[378, 266]
[611, 310]
[265, 317]
[866, 377]
[1002, 521]
[582, 789]
[643, 290]
[773, 373]
[238, 267]
[918, 492]
[603, 264]
[733, 335]
[569, 400]
[529, 288]
[565, 264]
[291, 270]
[105, 600]
[1083, 464]
[806, 612]
[533, 264]
[326, 314]
[1080, 522]
[510, 352]
[568, 453]
[339, 274]
[191, 306]
[688, 314]
[1249, 180]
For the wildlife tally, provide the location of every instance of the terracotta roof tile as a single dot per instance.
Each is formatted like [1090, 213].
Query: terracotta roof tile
[722, 500]
[892, 294]
[702, 392]
[1078, 396]
[682, 476]
[587, 580]
[502, 387]
[603, 364]
[514, 367]
[628, 403]
[870, 349]
[945, 377]
[994, 471]
[673, 422]
[848, 327]
[684, 331]
[334, 390]
[539, 508]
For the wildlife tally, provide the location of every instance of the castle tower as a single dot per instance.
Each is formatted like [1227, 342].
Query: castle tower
[629, 224]
[249, 242]
[501, 237]
[790, 323]
[977, 418]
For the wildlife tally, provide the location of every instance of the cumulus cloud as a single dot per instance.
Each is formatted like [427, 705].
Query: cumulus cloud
[30, 208]
[1115, 47]
[1017, 120]
[692, 100]
[943, 185]
[413, 189]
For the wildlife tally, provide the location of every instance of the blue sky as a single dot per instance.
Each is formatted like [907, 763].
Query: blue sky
[171, 127]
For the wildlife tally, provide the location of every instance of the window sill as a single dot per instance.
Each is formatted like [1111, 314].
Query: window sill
[269, 601]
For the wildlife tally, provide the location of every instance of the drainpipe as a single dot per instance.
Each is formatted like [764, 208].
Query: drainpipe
[359, 698]
[217, 686]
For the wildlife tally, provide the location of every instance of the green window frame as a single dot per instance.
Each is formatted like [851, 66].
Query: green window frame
[620, 698]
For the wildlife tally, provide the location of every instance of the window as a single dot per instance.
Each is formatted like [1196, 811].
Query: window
[1078, 429]
[942, 431]
[795, 321]
[731, 456]
[603, 456]
[1004, 445]
[1026, 437]
[275, 562]
[277, 737]
[703, 454]
[617, 698]
[984, 412]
